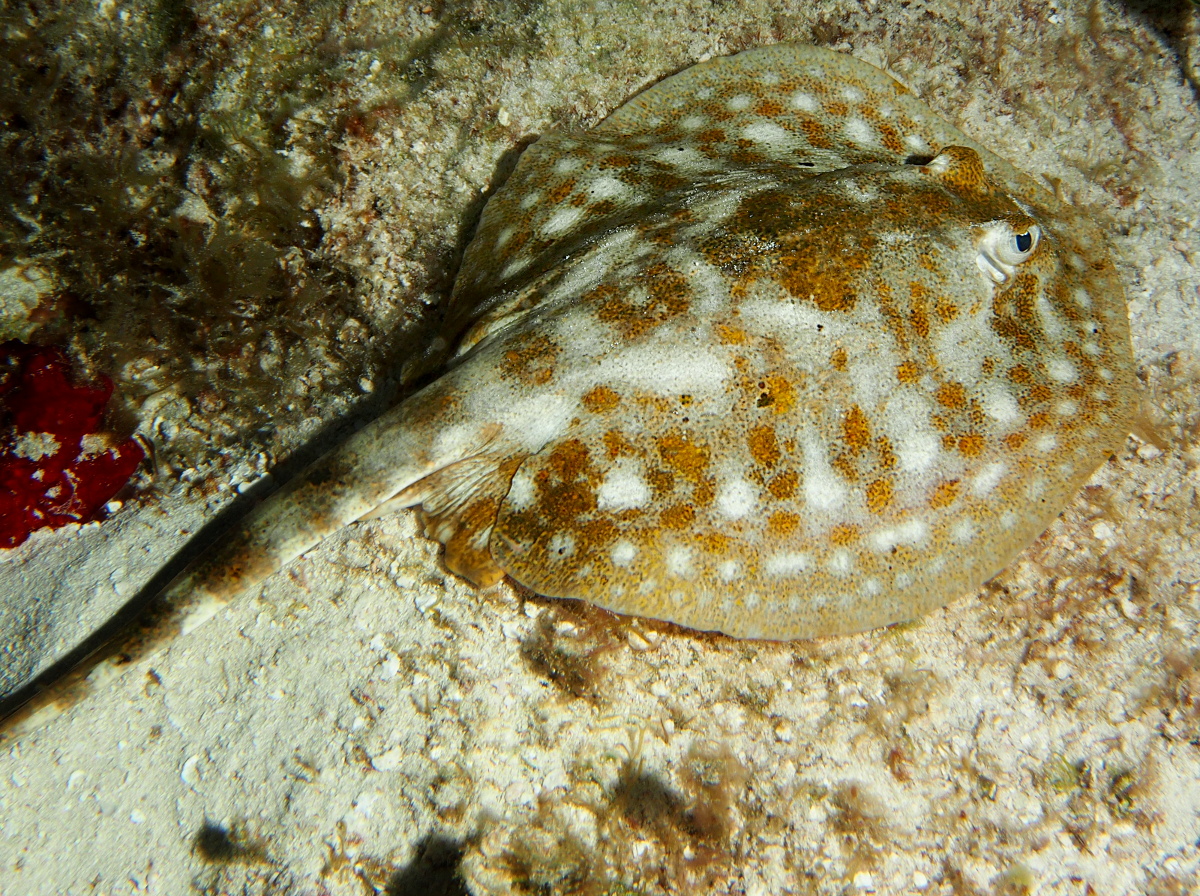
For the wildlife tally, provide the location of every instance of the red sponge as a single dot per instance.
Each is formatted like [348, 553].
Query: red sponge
[47, 477]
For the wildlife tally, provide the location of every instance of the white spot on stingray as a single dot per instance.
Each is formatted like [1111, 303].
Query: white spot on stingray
[903, 580]
[786, 564]
[679, 561]
[521, 492]
[622, 553]
[860, 131]
[710, 289]
[1091, 348]
[917, 449]
[623, 488]
[905, 418]
[562, 220]
[841, 563]
[749, 601]
[741, 102]
[530, 199]
[1061, 370]
[518, 264]
[1008, 519]
[717, 208]
[910, 532]
[684, 158]
[1104, 373]
[729, 571]
[589, 270]
[823, 487]
[765, 132]
[1083, 298]
[801, 323]
[1000, 404]
[852, 94]
[917, 142]
[504, 236]
[562, 544]
[533, 419]
[769, 78]
[1045, 443]
[736, 498]
[691, 122]
[606, 188]
[1054, 325]
[963, 532]
[662, 366]
[1066, 408]
[566, 165]
[1036, 487]
[859, 192]
[805, 102]
[704, 93]
[987, 479]
[872, 587]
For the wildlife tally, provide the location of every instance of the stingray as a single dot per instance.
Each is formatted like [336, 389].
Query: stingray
[772, 351]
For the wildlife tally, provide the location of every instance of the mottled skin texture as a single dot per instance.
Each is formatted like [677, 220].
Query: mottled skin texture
[791, 395]
[772, 351]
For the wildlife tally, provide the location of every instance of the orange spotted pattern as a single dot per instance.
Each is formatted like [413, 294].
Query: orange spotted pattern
[764, 343]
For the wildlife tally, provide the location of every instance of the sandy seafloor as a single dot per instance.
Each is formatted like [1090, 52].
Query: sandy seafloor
[369, 723]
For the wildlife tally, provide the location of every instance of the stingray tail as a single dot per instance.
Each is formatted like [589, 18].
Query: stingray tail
[368, 471]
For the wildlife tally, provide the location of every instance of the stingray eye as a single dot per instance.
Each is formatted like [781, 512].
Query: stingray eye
[1002, 247]
[1019, 245]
